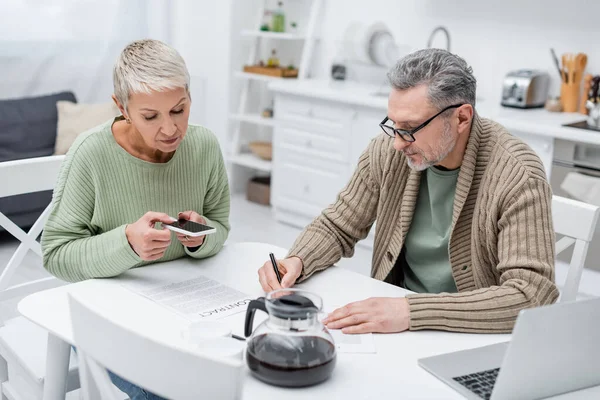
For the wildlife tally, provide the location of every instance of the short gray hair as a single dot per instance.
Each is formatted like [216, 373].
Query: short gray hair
[148, 65]
[448, 77]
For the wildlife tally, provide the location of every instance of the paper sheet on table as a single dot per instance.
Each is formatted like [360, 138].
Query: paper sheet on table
[198, 298]
[360, 343]
[356, 343]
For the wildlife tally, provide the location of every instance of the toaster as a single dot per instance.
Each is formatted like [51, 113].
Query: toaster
[525, 88]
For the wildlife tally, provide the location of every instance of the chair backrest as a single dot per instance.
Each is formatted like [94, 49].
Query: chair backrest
[28, 175]
[577, 222]
[162, 369]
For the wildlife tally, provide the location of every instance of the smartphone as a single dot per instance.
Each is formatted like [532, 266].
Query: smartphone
[190, 228]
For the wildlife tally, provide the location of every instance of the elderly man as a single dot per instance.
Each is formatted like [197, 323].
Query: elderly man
[462, 210]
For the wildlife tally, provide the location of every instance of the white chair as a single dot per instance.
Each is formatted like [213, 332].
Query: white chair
[22, 344]
[165, 370]
[577, 222]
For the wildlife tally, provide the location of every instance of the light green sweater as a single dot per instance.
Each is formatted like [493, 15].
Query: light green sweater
[102, 188]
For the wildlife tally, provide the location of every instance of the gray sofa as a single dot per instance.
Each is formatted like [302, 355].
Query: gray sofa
[28, 129]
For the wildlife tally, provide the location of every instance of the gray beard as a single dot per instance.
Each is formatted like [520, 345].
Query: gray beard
[441, 151]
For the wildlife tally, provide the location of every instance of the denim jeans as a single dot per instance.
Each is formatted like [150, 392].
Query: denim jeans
[134, 392]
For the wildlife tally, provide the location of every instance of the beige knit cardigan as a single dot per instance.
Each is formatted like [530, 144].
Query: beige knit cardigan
[501, 246]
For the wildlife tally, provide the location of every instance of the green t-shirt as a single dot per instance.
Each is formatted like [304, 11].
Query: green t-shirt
[426, 246]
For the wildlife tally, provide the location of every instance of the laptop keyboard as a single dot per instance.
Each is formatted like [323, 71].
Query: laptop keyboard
[480, 383]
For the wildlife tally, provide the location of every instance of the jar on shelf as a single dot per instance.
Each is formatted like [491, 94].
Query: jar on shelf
[278, 20]
[273, 61]
[264, 26]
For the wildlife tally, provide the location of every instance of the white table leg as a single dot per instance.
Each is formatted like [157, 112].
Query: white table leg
[57, 368]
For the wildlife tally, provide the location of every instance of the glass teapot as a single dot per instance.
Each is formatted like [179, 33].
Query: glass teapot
[292, 348]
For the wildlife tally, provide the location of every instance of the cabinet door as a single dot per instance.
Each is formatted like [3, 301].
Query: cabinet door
[364, 128]
[310, 180]
[334, 148]
[542, 145]
[323, 117]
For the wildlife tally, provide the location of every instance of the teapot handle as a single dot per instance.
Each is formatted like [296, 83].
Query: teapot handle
[258, 304]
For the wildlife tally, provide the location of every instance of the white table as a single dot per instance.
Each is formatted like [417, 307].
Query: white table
[391, 373]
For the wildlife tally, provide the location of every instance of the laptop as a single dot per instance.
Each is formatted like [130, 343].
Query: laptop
[554, 349]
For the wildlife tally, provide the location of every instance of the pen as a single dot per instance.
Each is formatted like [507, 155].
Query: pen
[275, 267]
[560, 71]
[241, 339]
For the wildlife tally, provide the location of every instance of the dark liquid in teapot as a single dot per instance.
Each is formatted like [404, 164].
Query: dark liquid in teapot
[277, 359]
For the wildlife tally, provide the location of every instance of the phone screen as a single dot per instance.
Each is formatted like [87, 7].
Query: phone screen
[190, 226]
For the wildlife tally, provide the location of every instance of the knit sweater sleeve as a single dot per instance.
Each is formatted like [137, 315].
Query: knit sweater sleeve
[216, 206]
[72, 250]
[525, 267]
[334, 233]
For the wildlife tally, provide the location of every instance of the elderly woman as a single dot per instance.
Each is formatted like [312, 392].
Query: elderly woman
[121, 178]
[143, 167]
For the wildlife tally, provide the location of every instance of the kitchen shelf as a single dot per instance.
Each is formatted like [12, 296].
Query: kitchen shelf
[272, 35]
[251, 40]
[257, 77]
[251, 161]
[256, 119]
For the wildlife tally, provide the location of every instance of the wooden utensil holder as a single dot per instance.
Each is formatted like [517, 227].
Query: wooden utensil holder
[569, 96]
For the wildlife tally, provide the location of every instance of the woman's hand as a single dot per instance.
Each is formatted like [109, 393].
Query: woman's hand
[191, 241]
[289, 269]
[148, 242]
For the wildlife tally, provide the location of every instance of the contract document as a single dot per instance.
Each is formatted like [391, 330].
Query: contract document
[357, 343]
[198, 299]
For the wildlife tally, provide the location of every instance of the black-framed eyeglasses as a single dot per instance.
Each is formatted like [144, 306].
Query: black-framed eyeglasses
[409, 135]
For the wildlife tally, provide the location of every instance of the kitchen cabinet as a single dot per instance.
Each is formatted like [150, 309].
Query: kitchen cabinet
[322, 127]
[316, 148]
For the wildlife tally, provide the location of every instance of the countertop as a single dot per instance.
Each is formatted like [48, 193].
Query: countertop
[533, 121]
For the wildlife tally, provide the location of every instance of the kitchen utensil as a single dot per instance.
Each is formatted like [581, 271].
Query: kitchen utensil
[593, 95]
[570, 89]
[556, 63]
[372, 44]
[580, 64]
[571, 68]
[382, 48]
[292, 348]
[594, 114]
[587, 84]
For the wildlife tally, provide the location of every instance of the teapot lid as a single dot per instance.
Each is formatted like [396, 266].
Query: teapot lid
[292, 306]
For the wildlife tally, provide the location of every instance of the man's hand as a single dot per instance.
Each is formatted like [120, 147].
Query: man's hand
[377, 314]
[289, 268]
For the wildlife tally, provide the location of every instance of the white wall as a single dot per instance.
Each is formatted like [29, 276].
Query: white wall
[201, 33]
[493, 36]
